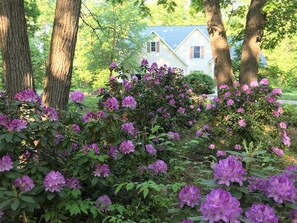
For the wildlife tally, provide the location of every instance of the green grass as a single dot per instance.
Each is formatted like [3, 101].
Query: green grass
[91, 101]
[289, 95]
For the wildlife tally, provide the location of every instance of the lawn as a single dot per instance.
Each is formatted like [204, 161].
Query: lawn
[289, 95]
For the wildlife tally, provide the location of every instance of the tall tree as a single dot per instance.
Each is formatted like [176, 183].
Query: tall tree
[17, 66]
[219, 45]
[251, 44]
[60, 61]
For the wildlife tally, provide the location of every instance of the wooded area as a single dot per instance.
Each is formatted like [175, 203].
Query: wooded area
[105, 34]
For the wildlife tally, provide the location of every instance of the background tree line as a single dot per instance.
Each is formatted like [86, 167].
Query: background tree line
[110, 30]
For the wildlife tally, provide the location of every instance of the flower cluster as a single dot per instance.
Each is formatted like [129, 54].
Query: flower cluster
[186, 221]
[129, 102]
[92, 147]
[54, 181]
[12, 124]
[112, 104]
[220, 205]
[77, 96]
[73, 183]
[150, 149]
[6, 163]
[101, 169]
[158, 167]
[229, 170]
[189, 195]
[25, 183]
[27, 96]
[259, 213]
[174, 135]
[129, 128]
[103, 202]
[127, 147]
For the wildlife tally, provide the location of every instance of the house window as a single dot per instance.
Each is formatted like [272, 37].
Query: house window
[197, 52]
[153, 47]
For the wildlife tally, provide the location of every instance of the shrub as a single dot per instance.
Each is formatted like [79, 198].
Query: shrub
[200, 83]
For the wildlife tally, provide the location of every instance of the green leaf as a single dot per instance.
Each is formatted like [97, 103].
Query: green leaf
[129, 186]
[119, 187]
[5, 203]
[50, 196]
[27, 199]
[15, 204]
[145, 192]
[95, 180]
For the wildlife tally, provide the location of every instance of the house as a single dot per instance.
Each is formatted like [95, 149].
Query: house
[185, 47]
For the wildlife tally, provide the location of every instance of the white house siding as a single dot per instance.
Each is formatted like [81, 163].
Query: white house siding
[196, 38]
[164, 56]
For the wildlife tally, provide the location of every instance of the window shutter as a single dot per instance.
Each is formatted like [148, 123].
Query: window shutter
[191, 52]
[148, 48]
[158, 47]
[202, 52]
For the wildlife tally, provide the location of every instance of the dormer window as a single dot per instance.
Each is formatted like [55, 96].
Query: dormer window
[197, 52]
[153, 47]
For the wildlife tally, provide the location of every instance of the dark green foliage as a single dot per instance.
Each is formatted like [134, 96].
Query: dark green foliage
[200, 83]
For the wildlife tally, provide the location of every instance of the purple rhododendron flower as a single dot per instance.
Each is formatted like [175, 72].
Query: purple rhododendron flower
[230, 102]
[103, 202]
[129, 128]
[50, 113]
[221, 153]
[134, 78]
[223, 86]
[264, 81]
[216, 99]
[242, 123]
[73, 183]
[286, 139]
[54, 181]
[220, 205]
[281, 189]
[150, 149]
[16, 125]
[237, 147]
[229, 170]
[174, 135]
[227, 94]
[276, 91]
[113, 152]
[129, 102]
[6, 163]
[189, 195]
[254, 84]
[293, 215]
[261, 213]
[25, 183]
[127, 147]
[27, 96]
[257, 184]
[77, 96]
[147, 77]
[158, 167]
[76, 128]
[283, 125]
[199, 133]
[291, 172]
[181, 110]
[240, 110]
[278, 151]
[112, 103]
[186, 221]
[212, 146]
[144, 62]
[101, 169]
[113, 65]
[127, 85]
[171, 102]
[94, 147]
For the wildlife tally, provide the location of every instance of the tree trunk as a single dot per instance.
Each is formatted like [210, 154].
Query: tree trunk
[60, 61]
[220, 49]
[14, 44]
[251, 44]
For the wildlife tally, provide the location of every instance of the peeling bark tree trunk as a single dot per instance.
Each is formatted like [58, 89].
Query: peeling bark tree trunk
[220, 49]
[251, 44]
[60, 62]
[14, 44]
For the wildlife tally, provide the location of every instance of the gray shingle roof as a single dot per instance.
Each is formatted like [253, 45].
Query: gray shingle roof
[174, 35]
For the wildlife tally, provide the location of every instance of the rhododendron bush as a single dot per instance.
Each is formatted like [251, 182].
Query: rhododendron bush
[126, 162]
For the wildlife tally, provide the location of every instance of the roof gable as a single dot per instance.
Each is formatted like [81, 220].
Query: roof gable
[175, 35]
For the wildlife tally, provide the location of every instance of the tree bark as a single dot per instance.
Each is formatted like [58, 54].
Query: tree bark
[14, 44]
[251, 44]
[61, 56]
[219, 45]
